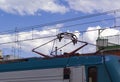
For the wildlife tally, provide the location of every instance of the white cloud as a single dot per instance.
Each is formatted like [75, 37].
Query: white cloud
[27, 46]
[90, 6]
[31, 7]
[110, 32]
[92, 34]
[35, 7]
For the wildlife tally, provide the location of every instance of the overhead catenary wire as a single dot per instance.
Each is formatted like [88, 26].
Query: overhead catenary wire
[85, 23]
[78, 24]
[32, 28]
[52, 36]
[62, 21]
[72, 19]
[68, 26]
[28, 39]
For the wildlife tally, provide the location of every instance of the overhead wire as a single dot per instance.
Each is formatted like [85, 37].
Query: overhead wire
[62, 21]
[68, 26]
[78, 24]
[52, 36]
[24, 29]
[27, 39]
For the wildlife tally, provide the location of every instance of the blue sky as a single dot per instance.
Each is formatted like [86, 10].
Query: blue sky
[23, 13]
[26, 13]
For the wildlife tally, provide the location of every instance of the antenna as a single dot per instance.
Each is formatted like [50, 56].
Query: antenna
[115, 21]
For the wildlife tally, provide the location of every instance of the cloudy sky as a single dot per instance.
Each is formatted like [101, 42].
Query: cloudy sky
[24, 14]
